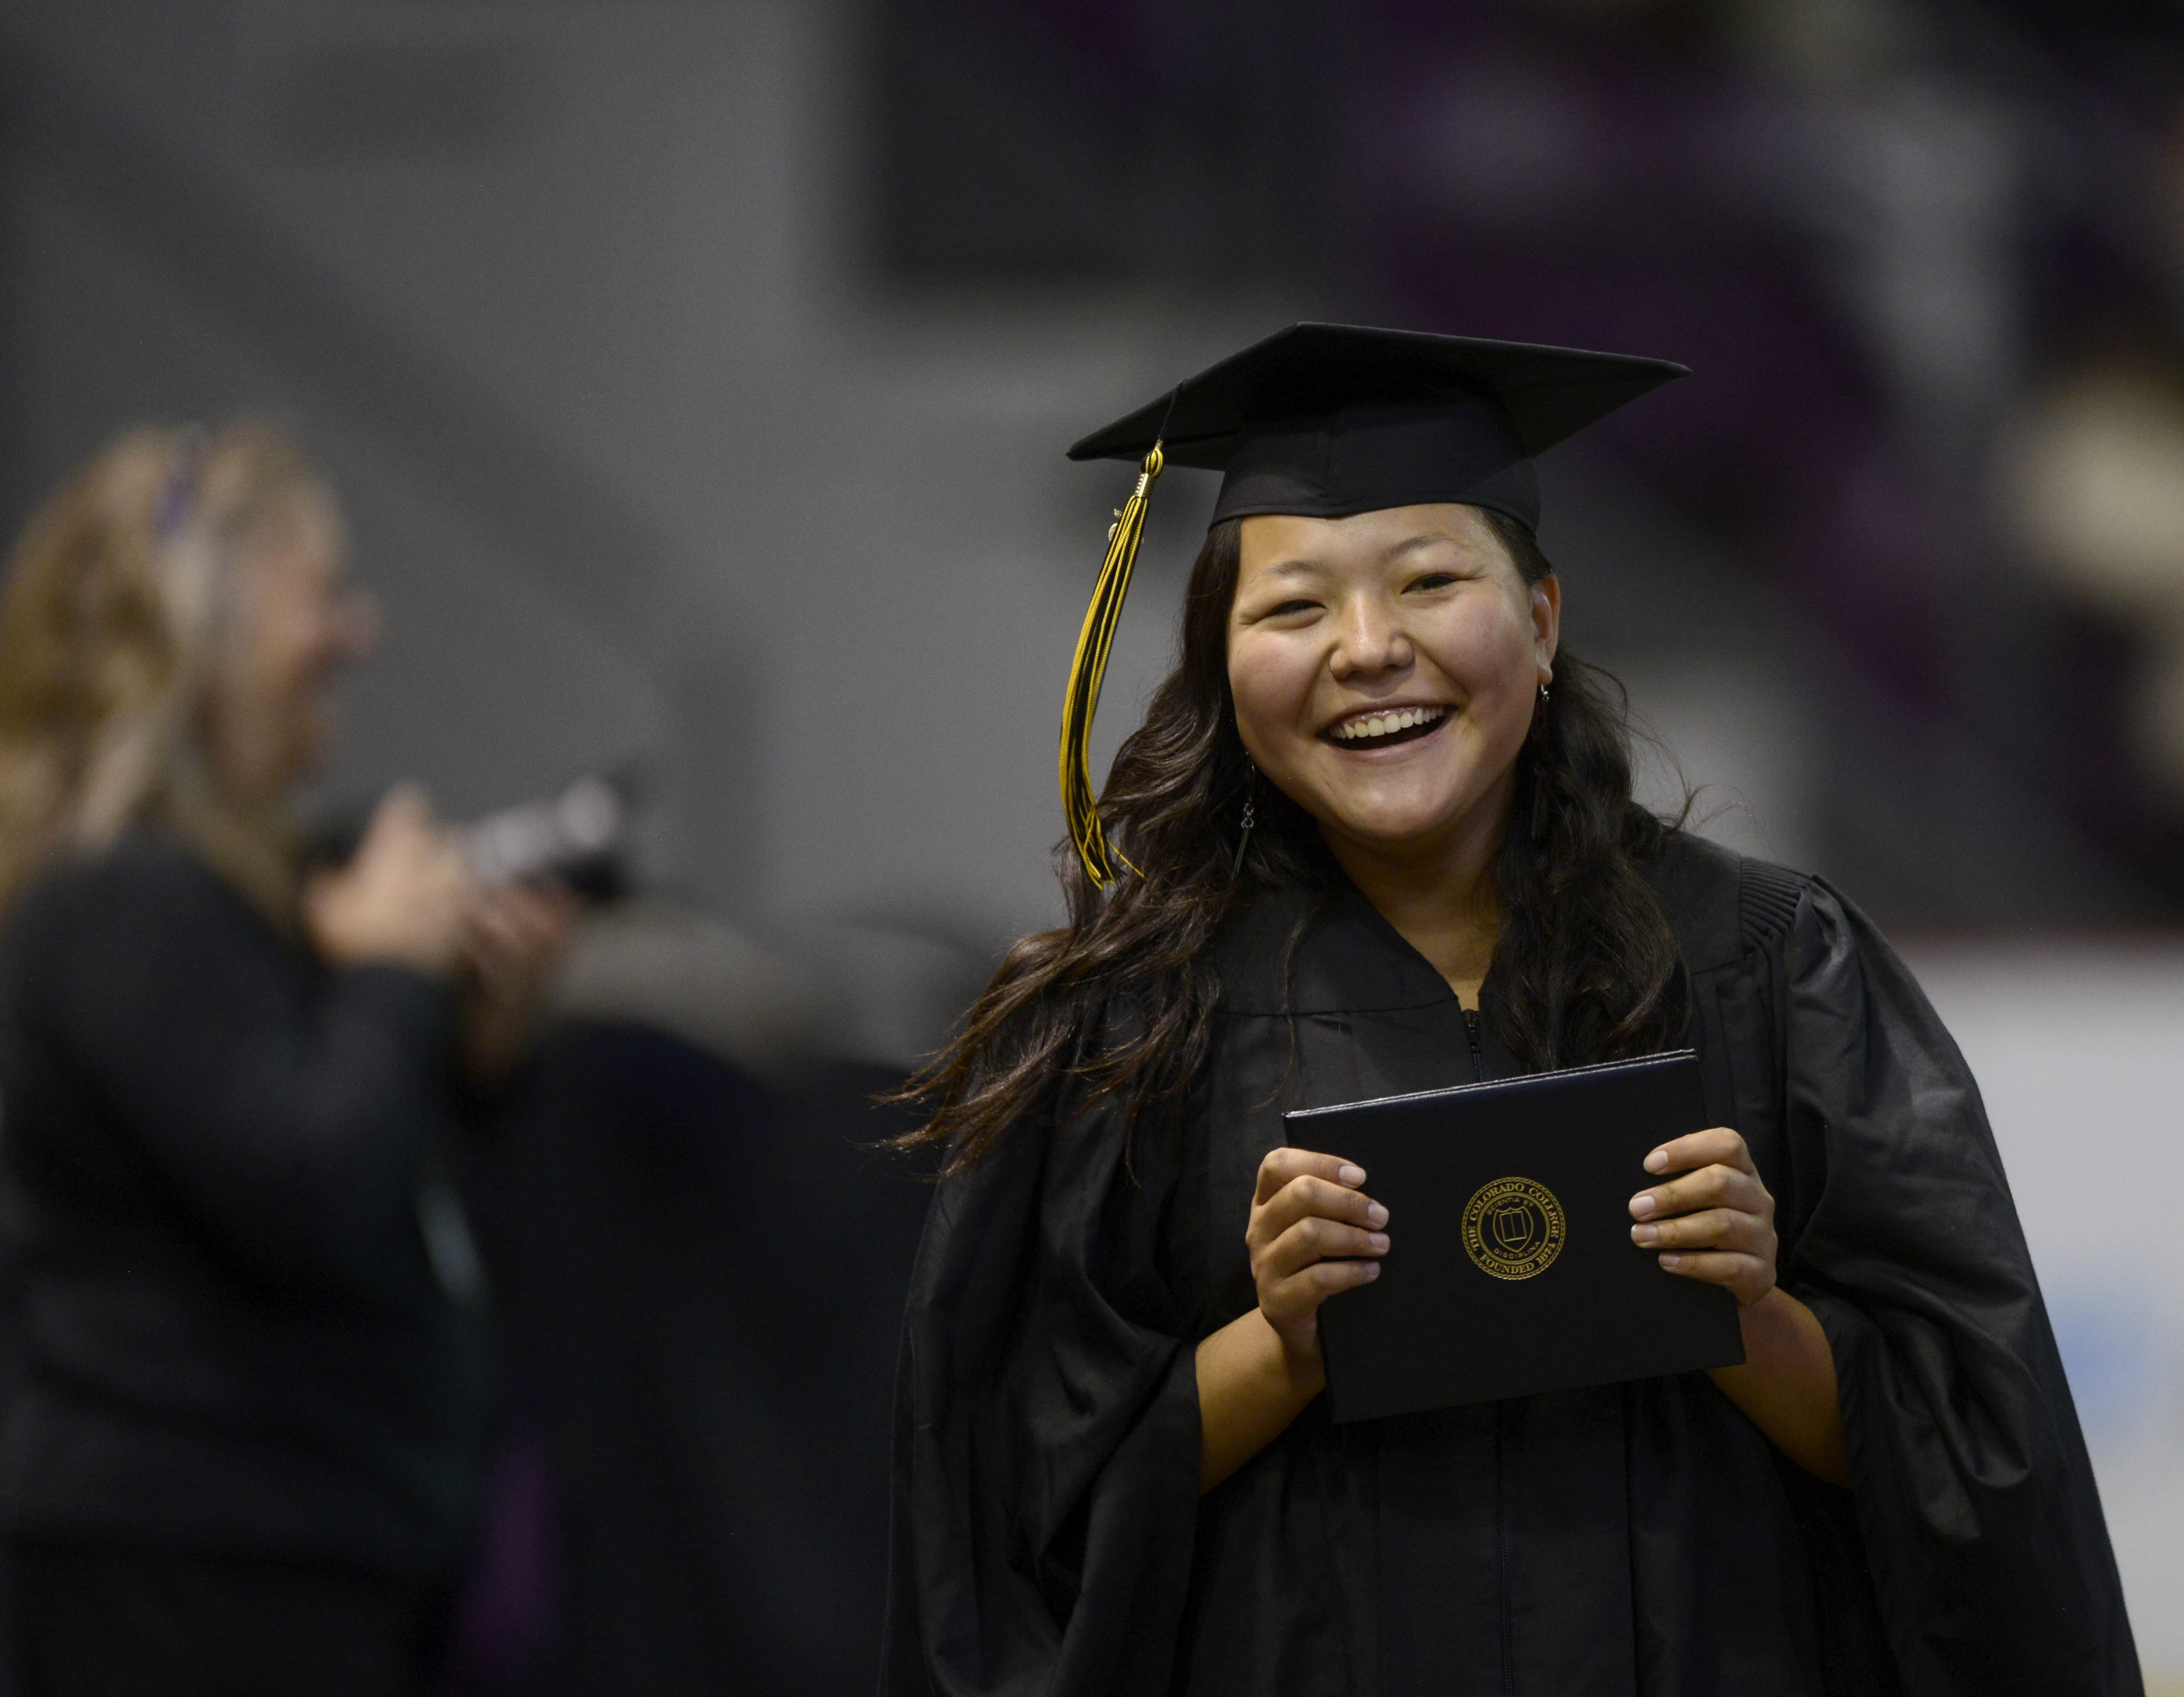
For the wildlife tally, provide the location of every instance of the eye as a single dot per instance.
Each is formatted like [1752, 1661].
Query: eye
[1433, 579]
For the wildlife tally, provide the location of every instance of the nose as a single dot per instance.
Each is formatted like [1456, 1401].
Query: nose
[1369, 640]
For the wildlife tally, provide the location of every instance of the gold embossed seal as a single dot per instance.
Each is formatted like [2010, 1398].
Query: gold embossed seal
[1513, 1227]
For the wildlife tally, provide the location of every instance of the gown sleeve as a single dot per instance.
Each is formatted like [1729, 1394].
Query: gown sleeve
[1046, 1487]
[1981, 1523]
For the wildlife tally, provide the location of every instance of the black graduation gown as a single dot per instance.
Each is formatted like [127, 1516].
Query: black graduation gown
[1644, 1537]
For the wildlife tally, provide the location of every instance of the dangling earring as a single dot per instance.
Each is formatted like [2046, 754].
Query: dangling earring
[1250, 818]
[1535, 740]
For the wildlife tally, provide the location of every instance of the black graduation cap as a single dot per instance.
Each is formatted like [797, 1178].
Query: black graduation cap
[1323, 420]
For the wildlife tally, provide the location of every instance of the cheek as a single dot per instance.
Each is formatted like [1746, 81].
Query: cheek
[1487, 649]
[307, 643]
[289, 659]
[296, 626]
[1270, 686]
[281, 679]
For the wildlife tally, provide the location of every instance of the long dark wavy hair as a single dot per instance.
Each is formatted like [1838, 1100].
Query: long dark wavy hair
[1585, 968]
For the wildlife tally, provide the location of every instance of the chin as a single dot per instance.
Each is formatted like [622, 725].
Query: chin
[1409, 819]
[1393, 832]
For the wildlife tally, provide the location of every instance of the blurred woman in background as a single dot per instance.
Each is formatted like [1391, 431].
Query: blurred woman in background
[241, 1453]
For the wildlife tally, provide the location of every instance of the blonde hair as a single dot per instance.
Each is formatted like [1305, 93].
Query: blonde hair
[115, 601]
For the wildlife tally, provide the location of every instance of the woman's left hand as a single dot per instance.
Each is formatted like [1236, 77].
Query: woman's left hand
[1717, 1221]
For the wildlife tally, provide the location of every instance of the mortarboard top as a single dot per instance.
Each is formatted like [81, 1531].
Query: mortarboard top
[1327, 420]
[1324, 421]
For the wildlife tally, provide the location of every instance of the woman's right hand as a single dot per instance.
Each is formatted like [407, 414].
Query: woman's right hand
[401, 898]
[1314, 1233]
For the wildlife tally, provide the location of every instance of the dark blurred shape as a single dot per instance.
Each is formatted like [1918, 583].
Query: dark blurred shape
[1070, 142]
[702, 1279]
[126, 1612]
[980, 129]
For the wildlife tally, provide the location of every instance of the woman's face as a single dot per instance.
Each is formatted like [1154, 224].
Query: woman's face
[1385, 668]
[295, 624]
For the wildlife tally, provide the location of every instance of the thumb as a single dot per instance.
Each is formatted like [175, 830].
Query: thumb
[405, 807]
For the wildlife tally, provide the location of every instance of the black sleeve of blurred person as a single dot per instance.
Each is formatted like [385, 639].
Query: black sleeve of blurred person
[233, 1336]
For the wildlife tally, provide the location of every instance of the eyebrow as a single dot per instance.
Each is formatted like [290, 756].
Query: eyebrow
[1289, 569]
[1293, 568]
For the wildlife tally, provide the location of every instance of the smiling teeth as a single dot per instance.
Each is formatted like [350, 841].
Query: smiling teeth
[1386, 724]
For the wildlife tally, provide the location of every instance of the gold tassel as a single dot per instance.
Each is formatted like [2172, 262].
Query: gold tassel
[1086, 672]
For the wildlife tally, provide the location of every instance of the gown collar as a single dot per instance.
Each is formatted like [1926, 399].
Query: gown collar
[1340, 955]
[1330, 951]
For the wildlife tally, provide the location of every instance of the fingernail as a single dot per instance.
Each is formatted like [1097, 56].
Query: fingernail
[1376, 1215]
[1644, 1234]
[1352, 1175]
[1670, 1259]
[1378, 1242]
[1372, 1270]
[1657, 1162]
[1643, 1204]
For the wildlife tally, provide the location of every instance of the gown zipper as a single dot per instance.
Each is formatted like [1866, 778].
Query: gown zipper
[1502, 1554]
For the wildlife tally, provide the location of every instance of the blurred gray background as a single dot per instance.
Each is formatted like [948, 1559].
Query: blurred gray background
[697, 376]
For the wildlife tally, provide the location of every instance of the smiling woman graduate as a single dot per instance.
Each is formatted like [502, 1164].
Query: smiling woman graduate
[1376, 835]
